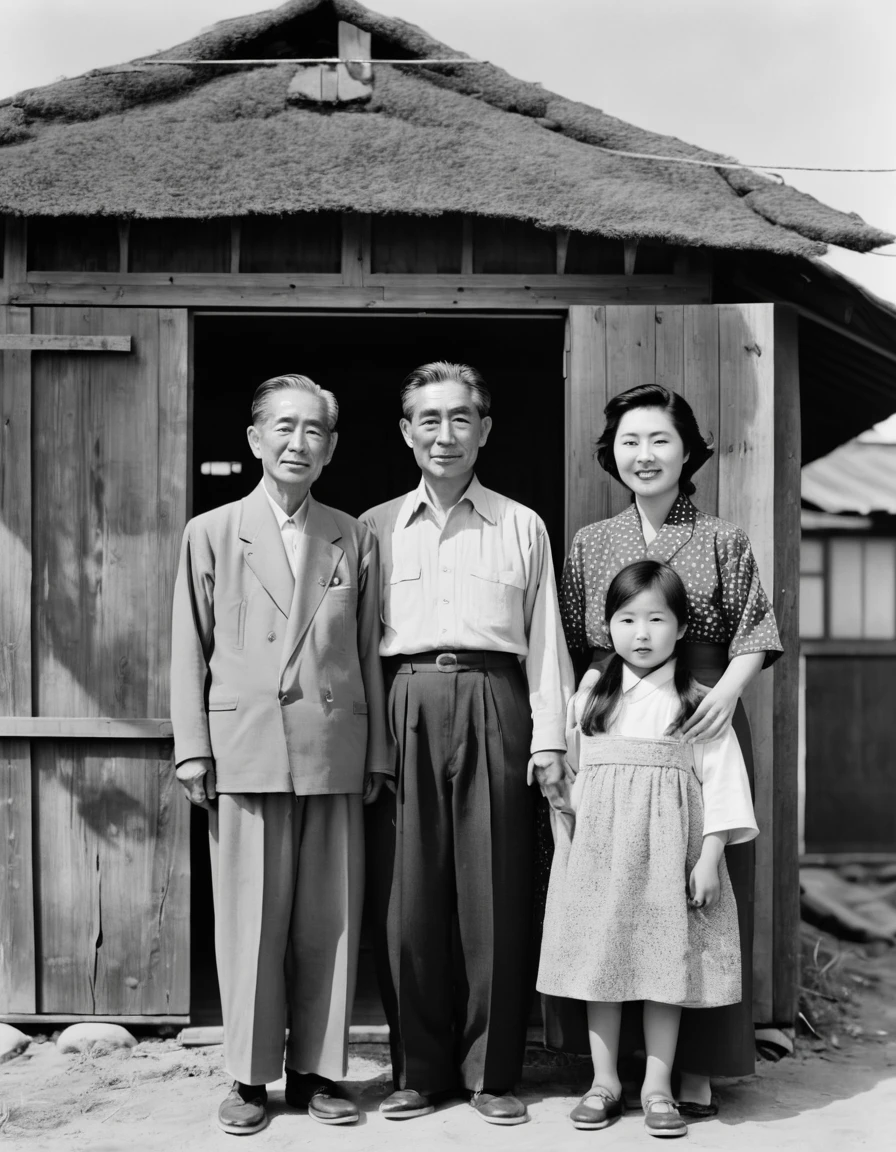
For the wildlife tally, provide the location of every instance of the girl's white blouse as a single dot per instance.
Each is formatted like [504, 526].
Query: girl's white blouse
[647, 708]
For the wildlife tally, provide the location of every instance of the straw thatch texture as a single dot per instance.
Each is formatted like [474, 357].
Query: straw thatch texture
[198, 142]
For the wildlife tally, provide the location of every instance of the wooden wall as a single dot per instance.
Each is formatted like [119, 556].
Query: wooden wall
[736, 364]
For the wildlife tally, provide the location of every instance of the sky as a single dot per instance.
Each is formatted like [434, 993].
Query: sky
[769, 82]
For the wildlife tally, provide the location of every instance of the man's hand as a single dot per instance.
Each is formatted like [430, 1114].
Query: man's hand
[549, 768]
[198, 779]
[373, 785]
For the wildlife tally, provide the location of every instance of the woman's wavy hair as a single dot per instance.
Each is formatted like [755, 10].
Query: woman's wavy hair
[679, 412]
[628, 583]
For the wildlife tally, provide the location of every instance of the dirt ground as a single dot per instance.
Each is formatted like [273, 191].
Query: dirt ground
[838, 1090]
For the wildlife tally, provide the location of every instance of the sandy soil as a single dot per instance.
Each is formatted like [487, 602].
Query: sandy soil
[837, 1092]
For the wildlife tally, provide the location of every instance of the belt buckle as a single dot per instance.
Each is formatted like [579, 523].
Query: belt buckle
[446, 662]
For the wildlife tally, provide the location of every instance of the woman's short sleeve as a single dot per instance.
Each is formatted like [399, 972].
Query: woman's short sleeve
[749, 615]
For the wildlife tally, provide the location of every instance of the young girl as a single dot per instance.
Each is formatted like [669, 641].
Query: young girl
[640, 906]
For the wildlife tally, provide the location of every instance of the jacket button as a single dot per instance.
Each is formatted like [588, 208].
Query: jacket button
[329, 697]
[336, 580]
[321, 580]
[272, 636]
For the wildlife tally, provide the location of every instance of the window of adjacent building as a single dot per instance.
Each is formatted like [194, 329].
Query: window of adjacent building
[848, 588]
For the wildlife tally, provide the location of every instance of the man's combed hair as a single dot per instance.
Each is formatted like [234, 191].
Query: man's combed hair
[679, 412]
[443, 372]
[629, 582]
[301, 384]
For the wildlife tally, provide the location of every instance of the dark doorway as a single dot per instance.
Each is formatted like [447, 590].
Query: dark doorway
[363, 360]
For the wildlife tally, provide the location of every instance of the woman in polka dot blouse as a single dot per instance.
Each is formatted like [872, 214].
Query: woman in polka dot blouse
[652, 445]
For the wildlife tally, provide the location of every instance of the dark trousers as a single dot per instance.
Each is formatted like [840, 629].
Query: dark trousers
[450, 879]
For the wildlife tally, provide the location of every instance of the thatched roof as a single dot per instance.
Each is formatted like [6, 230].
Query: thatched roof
[164, 141]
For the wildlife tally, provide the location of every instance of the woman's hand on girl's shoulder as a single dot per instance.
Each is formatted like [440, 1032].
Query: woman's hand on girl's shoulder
[712, 718]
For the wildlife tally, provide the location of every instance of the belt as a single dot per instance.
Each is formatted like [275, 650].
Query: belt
[449, 662]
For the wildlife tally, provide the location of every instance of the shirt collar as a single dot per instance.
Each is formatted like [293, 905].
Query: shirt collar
[298, 517]
[654, 679]
[475, 494]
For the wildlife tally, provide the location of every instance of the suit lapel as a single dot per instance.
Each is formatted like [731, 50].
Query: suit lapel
[317, 557]
[263, 549]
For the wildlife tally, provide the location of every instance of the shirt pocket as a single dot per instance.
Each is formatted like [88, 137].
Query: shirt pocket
[403, 599]
[496, 597]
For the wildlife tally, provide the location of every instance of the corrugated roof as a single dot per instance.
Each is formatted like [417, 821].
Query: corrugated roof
[856, 477]
[201, 142]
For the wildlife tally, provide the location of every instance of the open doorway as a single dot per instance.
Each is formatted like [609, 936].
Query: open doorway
[363, 360]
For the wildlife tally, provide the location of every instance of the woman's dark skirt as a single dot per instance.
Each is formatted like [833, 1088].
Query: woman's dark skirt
[711, 1041]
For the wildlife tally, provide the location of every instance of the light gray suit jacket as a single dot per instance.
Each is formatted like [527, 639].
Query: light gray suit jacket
[279, 680]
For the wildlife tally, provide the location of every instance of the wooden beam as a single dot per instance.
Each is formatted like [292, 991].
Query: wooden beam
[235, 238]
[38, 343]
[629, 252]
[562, 249]
[352, 250]
[87, 728]
[466, 252]
[72, 1018]
[124, 246]
[15, 253]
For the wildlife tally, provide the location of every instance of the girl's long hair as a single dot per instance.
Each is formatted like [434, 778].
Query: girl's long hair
[604, 697]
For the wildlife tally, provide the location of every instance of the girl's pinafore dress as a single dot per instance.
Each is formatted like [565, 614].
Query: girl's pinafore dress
[617, 924]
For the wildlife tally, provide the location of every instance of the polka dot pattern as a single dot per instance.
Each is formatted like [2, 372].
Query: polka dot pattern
[726, 602]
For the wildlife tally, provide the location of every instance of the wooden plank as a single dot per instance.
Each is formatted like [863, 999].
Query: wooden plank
[587, 485]
[17, 956]
[562, 249]
[352, 250]
[700, 387]
[84, 1018]
[466, 261]
[36, 342]
[630, 252]
[235, 229]
[631, 360]
[124, 246]
[265, 280]
[85, 727]
[785, 591]
[114, 851]
[747, 497]
[15, 254]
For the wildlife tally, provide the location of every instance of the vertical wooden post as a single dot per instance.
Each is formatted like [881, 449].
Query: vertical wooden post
[124, 245]
[466, 254]
[629, 254]
[562, 248]
[587, 485]
[15, 254]
[235, 239]
[355, 251]
[17, 957]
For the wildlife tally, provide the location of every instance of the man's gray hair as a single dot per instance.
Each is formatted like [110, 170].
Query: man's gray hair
[300, 384]
[442, 372]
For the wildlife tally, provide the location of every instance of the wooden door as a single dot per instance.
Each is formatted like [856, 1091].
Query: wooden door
[736, 365]
[95, 831]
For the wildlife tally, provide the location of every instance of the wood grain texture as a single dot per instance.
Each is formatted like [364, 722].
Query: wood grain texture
[35, 342]
[700, 387]
[786, 700]
[631, 360]
[586, 397]
[17, 944]
[109, 476]
[747, 497]
[94, 727]
[114, 852]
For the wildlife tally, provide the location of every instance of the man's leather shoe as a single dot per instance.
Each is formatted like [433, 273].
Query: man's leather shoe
[243, 1112]
[326, 1102]
[598, 1108]
[503, 1108]
[405, 1104]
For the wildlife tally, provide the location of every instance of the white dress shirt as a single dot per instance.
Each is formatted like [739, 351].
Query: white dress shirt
[648, 706]
[479, 578]
[291, 527]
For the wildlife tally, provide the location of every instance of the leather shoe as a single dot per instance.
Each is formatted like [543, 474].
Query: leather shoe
[243, 1111]
[502, 1108]
[405, 1104]
[326, 1102]
[663, 1121]
[695, 1111]
[604, 1109]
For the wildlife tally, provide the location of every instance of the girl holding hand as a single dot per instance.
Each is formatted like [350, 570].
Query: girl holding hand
[640, 906]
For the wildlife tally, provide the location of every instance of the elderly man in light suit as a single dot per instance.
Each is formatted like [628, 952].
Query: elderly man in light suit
[279, 728]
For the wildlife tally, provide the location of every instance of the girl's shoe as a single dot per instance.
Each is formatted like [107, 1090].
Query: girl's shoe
[605, 1110]
[661, 1117]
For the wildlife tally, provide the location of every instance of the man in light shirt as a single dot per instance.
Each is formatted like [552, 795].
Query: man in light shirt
[279, 730]
[478, 678]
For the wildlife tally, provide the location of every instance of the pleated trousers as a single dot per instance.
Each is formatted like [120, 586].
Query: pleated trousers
[449, 878]
[288, 883]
